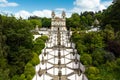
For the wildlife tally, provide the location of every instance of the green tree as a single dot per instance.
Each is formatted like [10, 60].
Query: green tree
[35, 22]
[29, 71]
[86, 59]
[44, 38]
[39, 44]
[108, 33]
[117, 36]
[98, 15]
[15, 46]
[98, 57]
[15, 77]
[75, 19]
[22, 77]
[92, 73]
[93, 40]
[35, 60]
[118, 65]
[4, 74]
[46, 22]
[81, 48]
[112, 16]
[84, 23]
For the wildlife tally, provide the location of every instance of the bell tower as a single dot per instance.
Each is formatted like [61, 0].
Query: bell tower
[63, 14]
[53, 14]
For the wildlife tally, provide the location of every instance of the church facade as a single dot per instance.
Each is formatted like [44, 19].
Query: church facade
[57, 22]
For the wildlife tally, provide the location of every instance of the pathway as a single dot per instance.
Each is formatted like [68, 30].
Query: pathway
[59, 59]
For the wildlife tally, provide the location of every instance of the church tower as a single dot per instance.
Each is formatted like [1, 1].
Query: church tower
[53, 14]
[63, 15]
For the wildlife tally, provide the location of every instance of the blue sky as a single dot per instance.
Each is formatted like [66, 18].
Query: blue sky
[43, 8]
[31, 5]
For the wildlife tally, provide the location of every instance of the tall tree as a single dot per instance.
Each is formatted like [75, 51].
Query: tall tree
[46, 22]
[112, 16]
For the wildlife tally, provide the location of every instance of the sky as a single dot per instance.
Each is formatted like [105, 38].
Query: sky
[43, 8]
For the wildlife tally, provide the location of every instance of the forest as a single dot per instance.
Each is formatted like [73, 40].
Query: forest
[99, 50]
[18, 52]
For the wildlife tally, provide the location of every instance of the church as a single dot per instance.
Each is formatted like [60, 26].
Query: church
[57, 22]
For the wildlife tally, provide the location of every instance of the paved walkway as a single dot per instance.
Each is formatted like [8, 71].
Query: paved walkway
[59, 59]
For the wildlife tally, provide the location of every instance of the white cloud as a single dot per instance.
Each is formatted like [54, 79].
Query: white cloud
[24, 14]
[68, 14]
[90, 5]
[5, 3]
[5, 12]
[40, 13]
[60, 9]
[58, 12]
[107, 3]
[87, 3]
